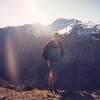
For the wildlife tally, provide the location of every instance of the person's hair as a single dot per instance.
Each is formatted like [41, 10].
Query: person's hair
[56, 33]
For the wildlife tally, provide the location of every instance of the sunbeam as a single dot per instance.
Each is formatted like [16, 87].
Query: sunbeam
[11, 62]
[35, 13]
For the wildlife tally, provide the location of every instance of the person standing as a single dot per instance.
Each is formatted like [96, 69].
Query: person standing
[52, 52]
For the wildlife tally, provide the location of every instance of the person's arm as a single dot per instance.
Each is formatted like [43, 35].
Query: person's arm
[62, 49]
[45, 51]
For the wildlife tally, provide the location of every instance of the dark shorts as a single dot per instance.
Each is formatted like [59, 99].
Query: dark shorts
[53, 65]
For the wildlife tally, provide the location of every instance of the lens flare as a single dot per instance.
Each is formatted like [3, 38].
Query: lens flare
[11, 62]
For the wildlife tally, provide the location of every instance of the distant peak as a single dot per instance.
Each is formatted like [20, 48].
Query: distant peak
[63, 20]
[61, 23]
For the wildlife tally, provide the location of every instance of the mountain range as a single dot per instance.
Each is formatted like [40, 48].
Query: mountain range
[21, 46]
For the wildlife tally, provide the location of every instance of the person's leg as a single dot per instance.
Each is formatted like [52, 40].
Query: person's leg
[52, 77]
[54, 81]
[50, 82]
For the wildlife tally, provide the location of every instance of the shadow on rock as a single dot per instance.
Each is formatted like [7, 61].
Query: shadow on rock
[20, 88]
[76, 95]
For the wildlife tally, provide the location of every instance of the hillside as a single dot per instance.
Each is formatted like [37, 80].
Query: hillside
[37, 94]
[21, 62]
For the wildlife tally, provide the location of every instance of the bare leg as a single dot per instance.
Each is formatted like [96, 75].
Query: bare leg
[53, 75]
[50, 83]
[52, 79]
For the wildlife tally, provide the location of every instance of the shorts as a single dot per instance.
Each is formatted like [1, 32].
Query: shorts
[53, 65]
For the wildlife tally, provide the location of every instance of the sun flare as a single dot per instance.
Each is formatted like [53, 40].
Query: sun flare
[35, 12]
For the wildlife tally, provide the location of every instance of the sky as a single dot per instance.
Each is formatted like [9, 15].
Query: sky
[20, 12]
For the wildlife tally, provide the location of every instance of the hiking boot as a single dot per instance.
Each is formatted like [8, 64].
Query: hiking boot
[50, 88]
[55, 90]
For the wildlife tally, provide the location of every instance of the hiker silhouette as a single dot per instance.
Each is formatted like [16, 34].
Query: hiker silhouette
[52, 52]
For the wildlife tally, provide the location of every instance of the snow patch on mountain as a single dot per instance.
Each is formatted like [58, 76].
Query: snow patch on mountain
[82, 28]
[62, 23]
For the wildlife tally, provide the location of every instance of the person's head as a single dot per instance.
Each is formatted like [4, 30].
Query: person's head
[56, 36]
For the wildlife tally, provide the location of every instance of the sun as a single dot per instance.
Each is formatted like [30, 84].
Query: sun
[35, 13]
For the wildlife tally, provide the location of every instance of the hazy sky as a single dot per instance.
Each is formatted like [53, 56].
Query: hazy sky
[19, 12]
